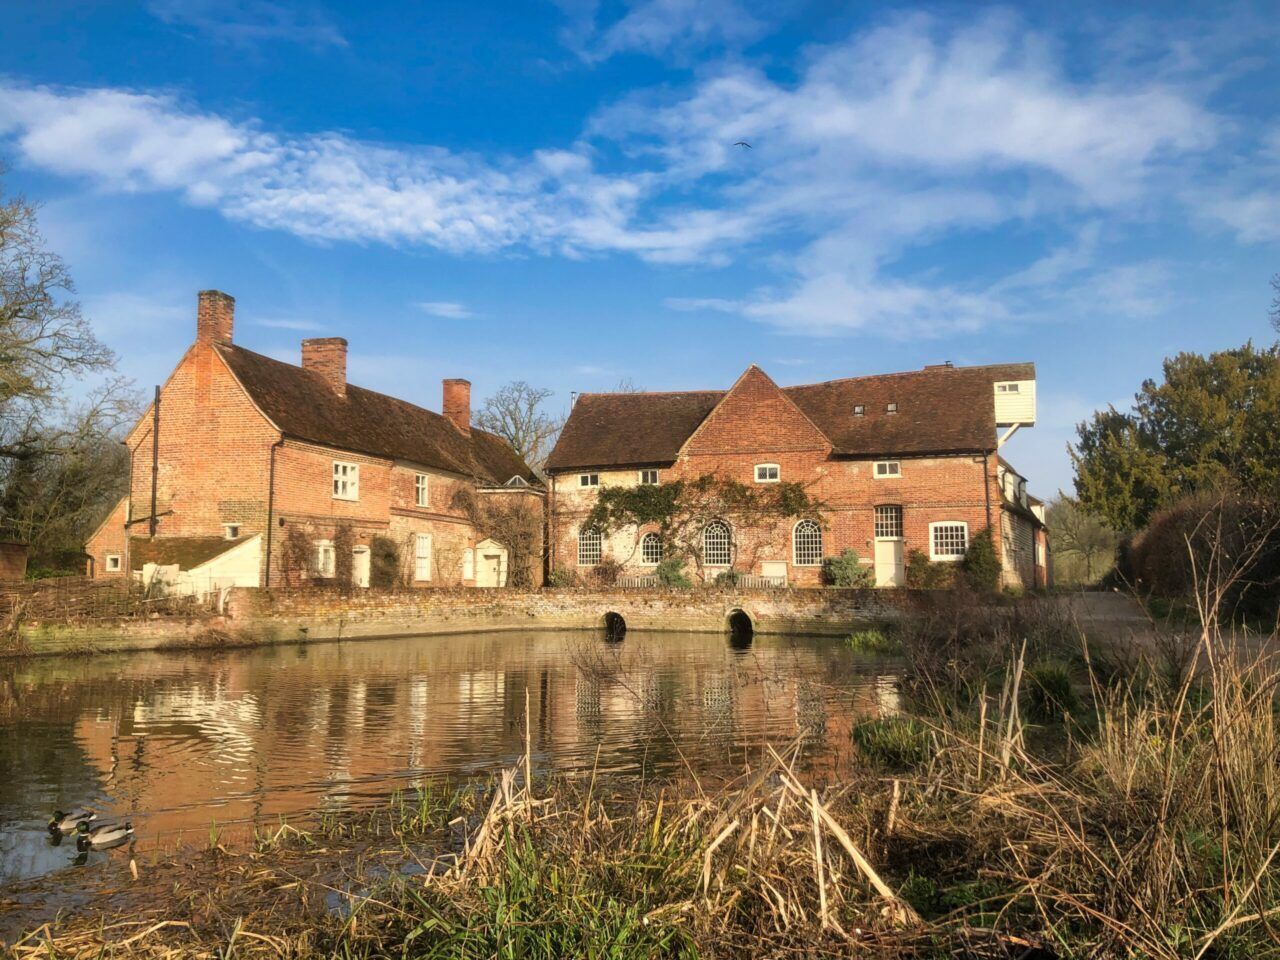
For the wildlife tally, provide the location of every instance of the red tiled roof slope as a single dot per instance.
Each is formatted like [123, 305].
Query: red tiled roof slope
[940, 410]
[303, 406]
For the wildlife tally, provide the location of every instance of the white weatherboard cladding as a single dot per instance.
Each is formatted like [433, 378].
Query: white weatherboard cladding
[1015, 402]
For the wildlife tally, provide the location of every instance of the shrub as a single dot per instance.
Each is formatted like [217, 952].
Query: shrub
[874, 641]
[1211, 534]
[670, 573]
[1047, 693]
[560, 577]
[846, 571]
[981, 564]
[727, 578]
[925, 574]
[384, 563]
[606, 572]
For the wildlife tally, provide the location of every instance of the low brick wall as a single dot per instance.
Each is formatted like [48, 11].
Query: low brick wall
[259, 617]
[325, 615]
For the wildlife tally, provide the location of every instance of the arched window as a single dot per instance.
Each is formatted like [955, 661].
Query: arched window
[717, 544]
[806, 544]
[589, 546]
[651, 549]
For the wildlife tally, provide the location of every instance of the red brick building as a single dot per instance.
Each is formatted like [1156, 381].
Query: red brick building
[901, 461]
[249, 470]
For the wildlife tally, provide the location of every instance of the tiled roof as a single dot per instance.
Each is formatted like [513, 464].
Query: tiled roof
[607, 429]
[939, 410]
[304, 407]
[187, 552]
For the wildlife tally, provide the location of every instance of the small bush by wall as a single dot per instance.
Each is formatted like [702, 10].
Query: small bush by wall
[925, 574]
[845, 570]
[981, 565]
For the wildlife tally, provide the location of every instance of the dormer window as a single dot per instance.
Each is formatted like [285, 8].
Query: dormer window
[891, 408]
[859, 410]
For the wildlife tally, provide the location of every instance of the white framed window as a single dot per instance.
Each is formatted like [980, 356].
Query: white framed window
[588, 479]
[326, 559]
[886, 469]
[806, 544]
[422, 556]
[859, 410]
[1008, 388]
[890, 408]
[590, 547]
[948, 540]
[888, 522]
[648, 478]
[651, 549]
[346, 480]
[767, 473]
[421, 490]
[230, 531]
[113, 563]
[717, 544]
[468, 564]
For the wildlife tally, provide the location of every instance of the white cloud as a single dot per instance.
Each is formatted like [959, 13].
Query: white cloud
[244, 22]
[660, 27]
[899, 136]
[445, 309]
[286, 323]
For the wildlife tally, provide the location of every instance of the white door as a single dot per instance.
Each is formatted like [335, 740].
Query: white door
[775, 569]
[889, 567]
[360, 566]
[489, 570]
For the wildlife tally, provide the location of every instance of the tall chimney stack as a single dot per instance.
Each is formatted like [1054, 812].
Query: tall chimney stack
[457, 403]
[327, 356]
[215, 315]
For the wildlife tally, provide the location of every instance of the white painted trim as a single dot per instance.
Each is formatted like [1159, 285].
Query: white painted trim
[756, 473]
[948, 558]
[876, 474]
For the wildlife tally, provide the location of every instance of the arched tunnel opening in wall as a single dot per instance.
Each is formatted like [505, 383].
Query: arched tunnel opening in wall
[741, 629]
[615, 627]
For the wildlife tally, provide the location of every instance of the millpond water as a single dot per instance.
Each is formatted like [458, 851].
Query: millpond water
[198, 745]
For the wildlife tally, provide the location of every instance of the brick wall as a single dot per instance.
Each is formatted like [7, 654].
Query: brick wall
[930, 489]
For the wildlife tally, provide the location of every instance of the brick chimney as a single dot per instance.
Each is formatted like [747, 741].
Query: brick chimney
[327, 356]
[215, 315]
[457, 404]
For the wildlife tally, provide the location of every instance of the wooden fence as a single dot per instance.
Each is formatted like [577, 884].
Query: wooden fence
[74, 599]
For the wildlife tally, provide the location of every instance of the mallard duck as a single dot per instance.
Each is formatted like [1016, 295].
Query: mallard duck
[69, 822]
[102, 835]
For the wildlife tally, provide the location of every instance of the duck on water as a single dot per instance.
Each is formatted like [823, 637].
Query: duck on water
[70, 822]
[102, 835]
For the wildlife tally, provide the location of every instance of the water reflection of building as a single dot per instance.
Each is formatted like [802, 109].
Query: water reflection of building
[181, 740]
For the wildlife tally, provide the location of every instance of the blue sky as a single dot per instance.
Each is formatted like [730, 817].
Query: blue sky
[549, 191]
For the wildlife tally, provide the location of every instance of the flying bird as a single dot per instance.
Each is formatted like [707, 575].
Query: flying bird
[743, 143]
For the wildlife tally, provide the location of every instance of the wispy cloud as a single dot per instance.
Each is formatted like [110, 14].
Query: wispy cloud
[445, 309]
[896, 137]
[286, 323]
[660, 27]
[246, 22]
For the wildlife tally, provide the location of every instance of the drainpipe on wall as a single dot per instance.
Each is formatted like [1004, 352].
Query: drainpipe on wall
[551, 530]
[271, 506]
[986, 487]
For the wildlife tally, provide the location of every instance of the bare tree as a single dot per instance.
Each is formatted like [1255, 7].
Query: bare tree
[43, 337]
[1274, 312]
[1084, 547]
[516, 414]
